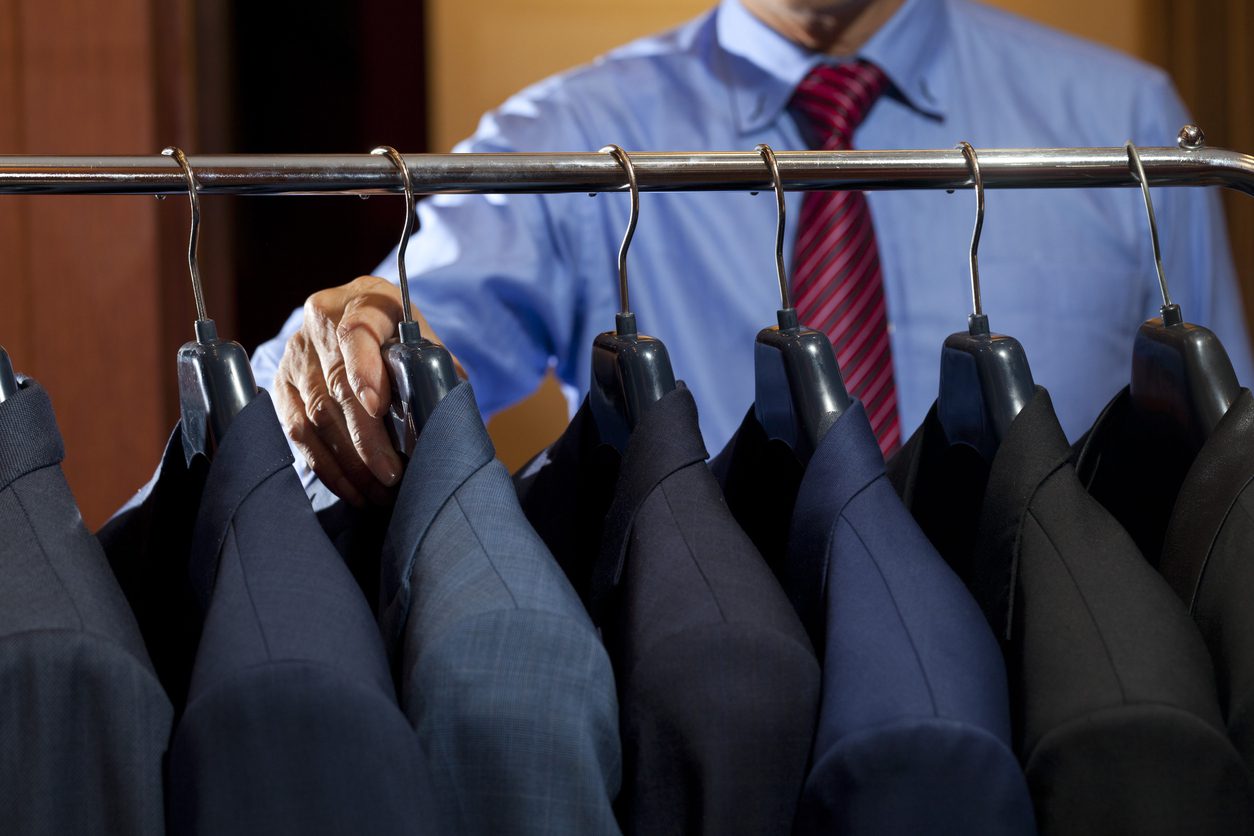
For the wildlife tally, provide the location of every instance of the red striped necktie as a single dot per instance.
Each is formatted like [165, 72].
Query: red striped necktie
[837, 285]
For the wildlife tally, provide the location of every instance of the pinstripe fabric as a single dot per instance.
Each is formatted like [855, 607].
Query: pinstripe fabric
[837, 285]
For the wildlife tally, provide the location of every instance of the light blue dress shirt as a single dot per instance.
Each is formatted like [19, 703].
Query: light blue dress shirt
[514, 284]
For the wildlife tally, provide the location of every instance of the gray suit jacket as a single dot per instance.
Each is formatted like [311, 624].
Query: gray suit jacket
[500, 669]
[84, 723]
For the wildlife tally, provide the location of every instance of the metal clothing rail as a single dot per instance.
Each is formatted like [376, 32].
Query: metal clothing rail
[1191, 164]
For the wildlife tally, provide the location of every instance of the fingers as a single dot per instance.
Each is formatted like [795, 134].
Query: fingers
[369, 318]
[368, 437]
[305, 439]
[360, 316]
[316, 424]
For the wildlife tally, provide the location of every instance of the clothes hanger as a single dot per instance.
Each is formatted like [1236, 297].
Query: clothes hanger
[1181, 374]
[215, 378]
[985, 380]
[422, 371]
[629, 370]
[798, 390]
[8, 380]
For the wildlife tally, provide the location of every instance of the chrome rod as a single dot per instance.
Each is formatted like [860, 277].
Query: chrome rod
[364, 174]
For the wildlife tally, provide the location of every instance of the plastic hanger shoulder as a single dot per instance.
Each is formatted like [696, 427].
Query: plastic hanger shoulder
[629, 372]
[799, 392]
[985, 381]
[1182, 378]
[8, 380]
[422, 373]
[215, 384]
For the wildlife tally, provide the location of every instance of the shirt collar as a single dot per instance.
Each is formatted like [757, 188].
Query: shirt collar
[767, 67]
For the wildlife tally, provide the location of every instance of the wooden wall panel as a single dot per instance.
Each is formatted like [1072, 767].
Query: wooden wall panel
[1206, 48]
[14, 293]
[79, 80]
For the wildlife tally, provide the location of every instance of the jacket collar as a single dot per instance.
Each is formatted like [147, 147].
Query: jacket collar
[760, 478]
[666, 440]
[253, 450]
[847, 460]
[1032, 451]
[452, 447]
[29, 438]
[766, 67]
[1175, 507]
[1223, 469]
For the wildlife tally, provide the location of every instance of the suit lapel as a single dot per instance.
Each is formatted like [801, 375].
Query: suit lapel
[253, 450]
[453, 446]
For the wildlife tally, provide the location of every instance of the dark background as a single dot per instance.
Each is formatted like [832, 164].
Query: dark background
[317, 77]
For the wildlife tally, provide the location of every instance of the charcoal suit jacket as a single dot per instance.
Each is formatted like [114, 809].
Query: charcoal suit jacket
[914, 724]
[717, 682]
[84, 722]
[290, 723]
[1116, 717]
[1198, 524]
[501, 671]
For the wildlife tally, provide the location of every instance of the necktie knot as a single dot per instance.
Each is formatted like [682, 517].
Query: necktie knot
[832, 101]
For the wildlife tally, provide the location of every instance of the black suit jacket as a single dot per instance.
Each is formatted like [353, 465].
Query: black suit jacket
[718, 685]
[1206, 547]
[84, 723]
[1118, 724]
[290, 723]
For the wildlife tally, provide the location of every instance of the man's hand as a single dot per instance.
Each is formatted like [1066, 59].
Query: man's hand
[332, 389]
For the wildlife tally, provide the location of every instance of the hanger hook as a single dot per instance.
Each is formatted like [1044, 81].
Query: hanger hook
[973, 163]
[407, 183]
[773, 165]
[1138, 172]
[625, 161]
[193, 243]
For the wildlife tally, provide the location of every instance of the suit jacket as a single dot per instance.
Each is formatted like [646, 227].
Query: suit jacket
[84, 723]
[1206, 552]
[291, 723]
[501, 671]
[914, 725]
[717, 683]
[1116, 718]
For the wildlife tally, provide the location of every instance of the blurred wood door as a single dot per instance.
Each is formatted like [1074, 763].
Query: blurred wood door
[94, 296]
[1206, 48]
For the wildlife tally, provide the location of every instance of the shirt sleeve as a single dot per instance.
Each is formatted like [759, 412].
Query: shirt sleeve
[494, 274]
[1197, 259]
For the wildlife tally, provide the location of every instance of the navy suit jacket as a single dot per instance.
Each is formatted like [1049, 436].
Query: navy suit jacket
[84, 723]
[717, 683]
[290, 723]
[500, 669]
[914, 724]
[1116, 717]
[1197, 521]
